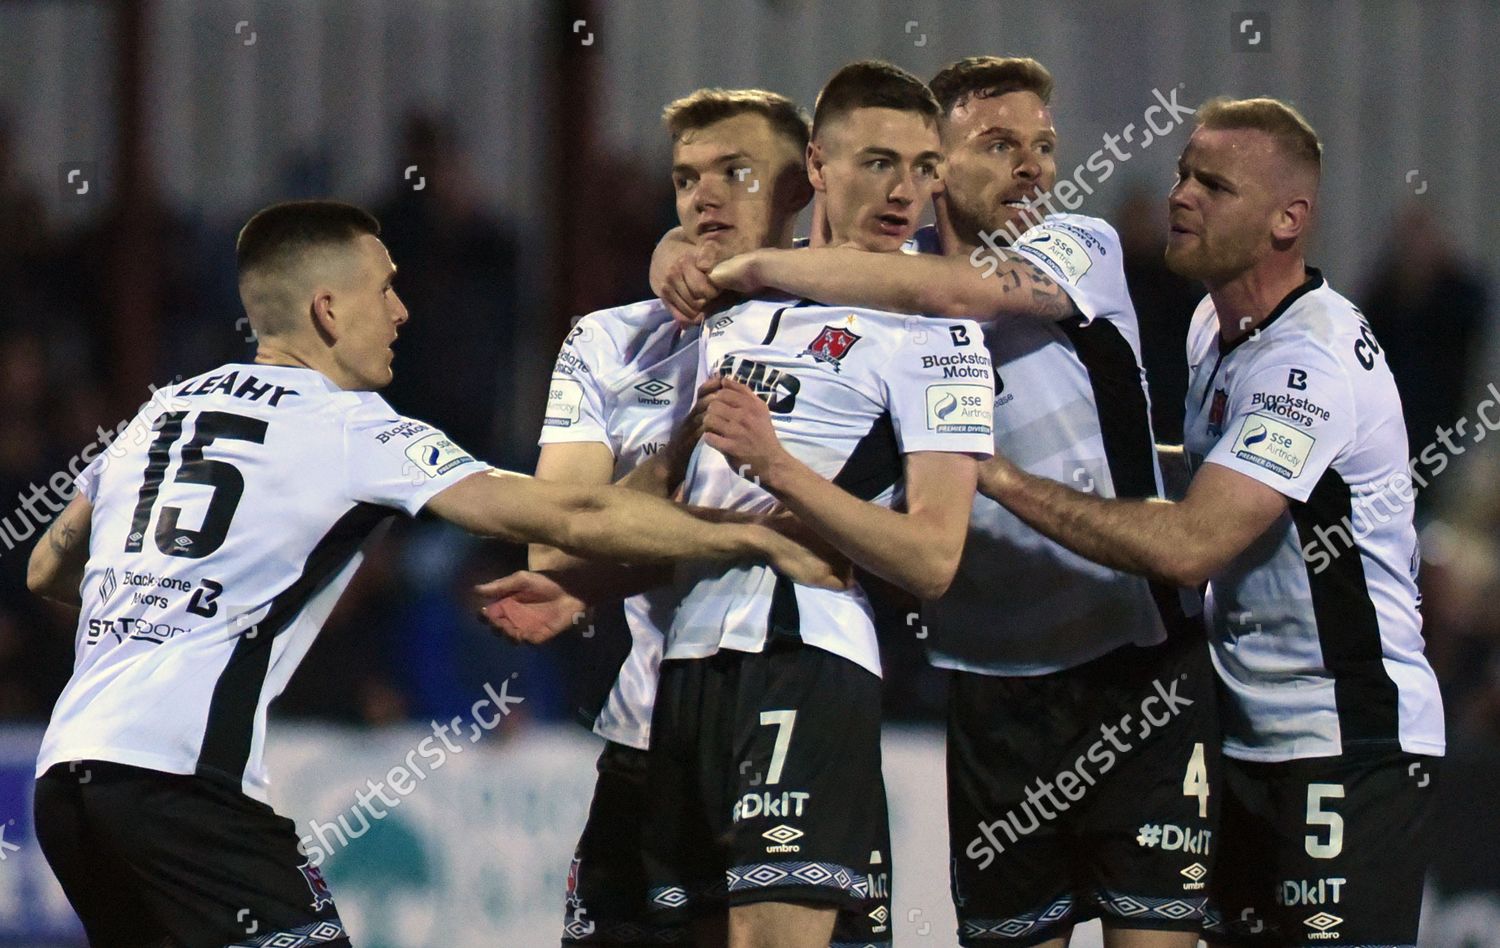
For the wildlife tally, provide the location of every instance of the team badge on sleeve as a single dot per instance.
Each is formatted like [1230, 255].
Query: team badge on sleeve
[564, 401]
[959, 409]
[831, 345]
[435, 455]
[321, 894]
[1065, 256]
[1273, 445]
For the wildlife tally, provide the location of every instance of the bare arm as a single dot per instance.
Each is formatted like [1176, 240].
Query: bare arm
[580, 462]
[615, 524]
[1003, 284]
[679, 275]
[917, 550]
[1185, 543]
[55, 570]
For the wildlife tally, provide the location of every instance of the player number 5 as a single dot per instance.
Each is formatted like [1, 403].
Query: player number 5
[784, 721]
[1317, 816]
[1195, 781]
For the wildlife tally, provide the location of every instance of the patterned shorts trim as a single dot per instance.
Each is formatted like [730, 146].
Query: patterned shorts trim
[766, 875]
[313, 933]
[579, 931]
[1018, 926]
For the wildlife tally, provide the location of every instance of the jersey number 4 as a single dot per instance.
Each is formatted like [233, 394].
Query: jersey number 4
[225, 479]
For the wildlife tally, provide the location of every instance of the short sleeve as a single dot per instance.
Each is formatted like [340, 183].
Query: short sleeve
[1286, 423]
[400, 462]
[940, 388]
[87, 481]
[1082, 255]
[575, 398]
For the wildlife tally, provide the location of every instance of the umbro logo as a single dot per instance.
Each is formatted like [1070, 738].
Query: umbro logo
[1194, 874]
[108, 585]
[653, 390]
[1322, 922]
[783, 836]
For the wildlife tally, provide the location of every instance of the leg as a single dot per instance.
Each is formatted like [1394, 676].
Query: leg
[1009, 865]
[99, 885]
[606, 898]
[806, 819]
[780, 925]
[1151, 824]
[217, 867]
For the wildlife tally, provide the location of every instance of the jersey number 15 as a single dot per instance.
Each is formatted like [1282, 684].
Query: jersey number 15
[226, 480]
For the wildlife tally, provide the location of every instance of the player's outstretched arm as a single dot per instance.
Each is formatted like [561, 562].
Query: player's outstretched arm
[918, 549]
[616, 524]
[1184, 542]
[1004, 284]
[55, 570]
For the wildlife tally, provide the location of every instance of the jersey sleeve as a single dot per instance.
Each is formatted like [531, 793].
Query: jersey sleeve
[940, 388]
[575, 398]
[1287, 422]
[1082, 255]
[87, 481]
[400, 462]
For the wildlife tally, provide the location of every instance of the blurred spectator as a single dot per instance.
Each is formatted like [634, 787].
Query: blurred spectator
[1427, 308]
[1164, 304]
[457, 276]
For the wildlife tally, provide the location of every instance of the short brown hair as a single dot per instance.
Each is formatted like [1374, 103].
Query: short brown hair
[870, 84]
[1293, 135]
[282, 232]
[984, 77]
[704, 107]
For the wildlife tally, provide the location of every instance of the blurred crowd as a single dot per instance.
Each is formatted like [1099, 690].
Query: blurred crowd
[405, 643]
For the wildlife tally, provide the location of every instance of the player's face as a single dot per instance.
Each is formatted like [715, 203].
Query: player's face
[369, 314]
[737, 183]
[1224, 205]
[1002, 152]
[877, 169]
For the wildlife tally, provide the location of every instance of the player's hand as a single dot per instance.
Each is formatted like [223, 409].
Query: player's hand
[810, 566]
[742, 272]
[687, 290]
[530, 607]
[737, 423]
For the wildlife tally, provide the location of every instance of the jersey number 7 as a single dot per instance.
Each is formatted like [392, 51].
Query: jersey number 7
[226, 480]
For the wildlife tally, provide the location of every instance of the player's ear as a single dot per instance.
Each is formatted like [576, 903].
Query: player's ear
[1292, 221]
[324, 319]
[815, 161]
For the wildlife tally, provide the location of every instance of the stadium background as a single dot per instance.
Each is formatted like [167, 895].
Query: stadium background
[514, 153]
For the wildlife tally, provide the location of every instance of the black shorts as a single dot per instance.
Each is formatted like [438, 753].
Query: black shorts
[606, 899]
[765, 784]
[1090, 792]
[149, 858]
[1324, 850]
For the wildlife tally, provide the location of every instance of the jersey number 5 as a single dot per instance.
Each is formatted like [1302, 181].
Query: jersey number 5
[226, 480]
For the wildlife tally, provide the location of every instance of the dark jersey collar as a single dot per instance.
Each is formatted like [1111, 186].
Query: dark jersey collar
[1314, 281]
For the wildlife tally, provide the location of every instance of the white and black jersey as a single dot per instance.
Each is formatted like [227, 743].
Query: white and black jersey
[625, 379]
[850, 392]
[1071, 405]
[1316, 633]
[227, 519]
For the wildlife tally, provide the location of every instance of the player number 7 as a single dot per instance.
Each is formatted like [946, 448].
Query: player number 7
[784, 721]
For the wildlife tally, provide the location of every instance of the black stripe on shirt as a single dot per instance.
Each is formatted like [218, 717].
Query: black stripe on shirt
[1125, 426]
[230, 728]
[1348, 627]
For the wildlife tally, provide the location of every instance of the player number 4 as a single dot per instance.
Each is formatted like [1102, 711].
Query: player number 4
[1195, 781]
[784, 721]
[1317, 816]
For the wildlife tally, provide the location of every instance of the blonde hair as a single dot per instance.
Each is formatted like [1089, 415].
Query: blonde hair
[704, 107]
[1292, 133]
